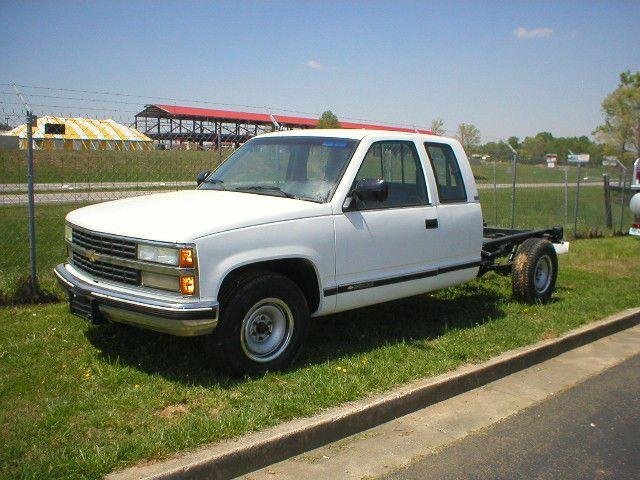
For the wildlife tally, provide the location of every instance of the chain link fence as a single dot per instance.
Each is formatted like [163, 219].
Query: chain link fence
[91, 154]
[564, 195]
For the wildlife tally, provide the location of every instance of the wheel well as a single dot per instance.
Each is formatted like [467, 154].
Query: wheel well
[299, 270]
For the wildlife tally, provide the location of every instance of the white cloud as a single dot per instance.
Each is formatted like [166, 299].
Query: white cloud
[522, 32]
[314, 65]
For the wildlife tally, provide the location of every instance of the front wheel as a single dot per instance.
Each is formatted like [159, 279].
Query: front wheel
[263, 323]
[534, 271]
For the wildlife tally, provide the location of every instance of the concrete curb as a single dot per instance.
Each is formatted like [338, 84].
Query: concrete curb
[257, 450]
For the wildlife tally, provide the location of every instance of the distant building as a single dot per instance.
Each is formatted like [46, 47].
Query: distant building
[57, 133]
[171, 125]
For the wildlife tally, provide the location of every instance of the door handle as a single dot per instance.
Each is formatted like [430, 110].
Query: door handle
[431, 223]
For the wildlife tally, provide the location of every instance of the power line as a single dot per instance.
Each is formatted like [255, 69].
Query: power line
[192, 101]
[72, 107]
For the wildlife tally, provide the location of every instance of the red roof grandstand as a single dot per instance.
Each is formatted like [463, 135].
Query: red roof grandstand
[208, 114]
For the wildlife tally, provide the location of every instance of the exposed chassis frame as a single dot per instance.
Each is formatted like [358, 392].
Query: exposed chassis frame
[504, 242]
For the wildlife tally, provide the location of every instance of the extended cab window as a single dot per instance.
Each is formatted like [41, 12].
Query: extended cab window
[447, 172]
[396, 162]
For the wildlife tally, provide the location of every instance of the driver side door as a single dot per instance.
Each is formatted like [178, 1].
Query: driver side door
[388, 249]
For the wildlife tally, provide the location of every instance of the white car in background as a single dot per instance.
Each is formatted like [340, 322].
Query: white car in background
[634, 205]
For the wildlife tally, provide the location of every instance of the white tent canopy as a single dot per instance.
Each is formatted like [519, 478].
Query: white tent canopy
[58, 133]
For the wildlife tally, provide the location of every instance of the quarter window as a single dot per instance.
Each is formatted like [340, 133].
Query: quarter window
[397, 163]
[447, 172]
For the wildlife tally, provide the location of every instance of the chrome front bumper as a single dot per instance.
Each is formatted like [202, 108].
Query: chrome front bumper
[98, 303]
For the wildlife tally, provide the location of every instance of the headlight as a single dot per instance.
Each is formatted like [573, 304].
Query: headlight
[68, 233]
[151, 253]
[159, 280]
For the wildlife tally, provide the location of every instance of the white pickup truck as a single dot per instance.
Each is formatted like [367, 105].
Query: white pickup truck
[294, 225]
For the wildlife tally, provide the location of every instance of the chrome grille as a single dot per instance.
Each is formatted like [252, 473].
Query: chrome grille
[105, 244]
[107, 270]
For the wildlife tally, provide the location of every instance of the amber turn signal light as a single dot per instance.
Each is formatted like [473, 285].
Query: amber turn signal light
[188, 285]
[186, 258]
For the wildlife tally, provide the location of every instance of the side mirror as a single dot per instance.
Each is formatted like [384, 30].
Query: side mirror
[371, 189]
[202, 175]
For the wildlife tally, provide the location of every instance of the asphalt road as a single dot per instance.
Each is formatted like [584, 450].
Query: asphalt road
[591, 431]
[14, 194]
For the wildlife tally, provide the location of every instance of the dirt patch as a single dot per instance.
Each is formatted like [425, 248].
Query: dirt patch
[171, 411]
[548, 335]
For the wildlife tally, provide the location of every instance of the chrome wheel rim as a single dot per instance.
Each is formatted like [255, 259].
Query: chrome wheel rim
[266, 330]
[542, 274]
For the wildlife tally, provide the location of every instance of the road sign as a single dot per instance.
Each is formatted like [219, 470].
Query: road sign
[581, 158]
[609, 161]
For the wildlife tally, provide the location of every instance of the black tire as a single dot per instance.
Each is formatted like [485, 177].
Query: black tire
[534, 271]
[264, 320]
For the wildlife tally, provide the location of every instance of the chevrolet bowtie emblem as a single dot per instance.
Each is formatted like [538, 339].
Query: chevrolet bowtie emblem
[92, 256]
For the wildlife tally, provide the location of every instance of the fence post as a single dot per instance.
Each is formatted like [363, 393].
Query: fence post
[566, 194]
[607, 200]
[513, 191]
[495, 194]
[623, 191]
[575, 219]
[219, 143]
[33, 280]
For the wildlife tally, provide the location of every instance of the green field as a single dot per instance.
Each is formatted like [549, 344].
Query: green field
[526, 173]
[57, 166]
[78, 401]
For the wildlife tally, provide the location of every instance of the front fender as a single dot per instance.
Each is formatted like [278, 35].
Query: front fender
[311, 239]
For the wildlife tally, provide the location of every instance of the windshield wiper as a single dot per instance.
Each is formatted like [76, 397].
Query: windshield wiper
[215, 181]
[267, 189]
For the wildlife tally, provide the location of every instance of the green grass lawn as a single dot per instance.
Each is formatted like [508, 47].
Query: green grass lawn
[78, 401]
[14, 242]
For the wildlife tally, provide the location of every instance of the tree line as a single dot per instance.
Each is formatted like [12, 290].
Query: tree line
[619, 135]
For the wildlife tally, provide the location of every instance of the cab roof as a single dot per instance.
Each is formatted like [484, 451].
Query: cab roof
[356, 134]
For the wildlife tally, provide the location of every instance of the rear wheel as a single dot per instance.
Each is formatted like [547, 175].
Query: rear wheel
[264, 320]
[534, 271]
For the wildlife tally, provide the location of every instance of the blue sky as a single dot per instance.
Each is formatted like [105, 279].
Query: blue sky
[511, 68]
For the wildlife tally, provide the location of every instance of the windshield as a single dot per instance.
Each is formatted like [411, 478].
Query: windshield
[307, 168]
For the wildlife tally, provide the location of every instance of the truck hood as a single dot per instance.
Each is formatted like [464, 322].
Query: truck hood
[186, 215]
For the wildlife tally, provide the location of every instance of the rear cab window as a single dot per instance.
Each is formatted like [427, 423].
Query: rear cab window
[447, 173]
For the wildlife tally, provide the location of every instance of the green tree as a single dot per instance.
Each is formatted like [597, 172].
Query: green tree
[468, 135]
[533, 149]
[514, 142]
[496, 150]
[4, 127]
[328, 120]
[437, 126]
[621, 110]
